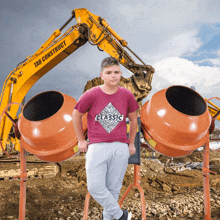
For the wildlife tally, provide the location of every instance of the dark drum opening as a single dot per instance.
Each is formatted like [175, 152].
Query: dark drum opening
[185, 100]
[43, 106]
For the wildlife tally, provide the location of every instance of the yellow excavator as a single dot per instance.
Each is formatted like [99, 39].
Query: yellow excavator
[213, 109]
[89, 28]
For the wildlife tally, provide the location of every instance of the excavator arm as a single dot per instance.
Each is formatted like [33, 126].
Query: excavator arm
[214, 110]
[89, 28]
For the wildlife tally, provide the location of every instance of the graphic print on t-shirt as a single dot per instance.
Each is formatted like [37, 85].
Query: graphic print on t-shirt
[109, 118]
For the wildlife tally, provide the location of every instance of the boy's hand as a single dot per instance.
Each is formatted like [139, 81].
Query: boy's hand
[132, 149]
[83, 146]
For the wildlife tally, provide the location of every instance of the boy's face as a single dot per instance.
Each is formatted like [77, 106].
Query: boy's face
[111, 75]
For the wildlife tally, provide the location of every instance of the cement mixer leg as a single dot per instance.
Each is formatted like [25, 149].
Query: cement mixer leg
[23, 177]
[206, 181]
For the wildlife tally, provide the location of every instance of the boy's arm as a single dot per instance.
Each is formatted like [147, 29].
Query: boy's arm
[77, 123]
[132, 132]
[133, 126]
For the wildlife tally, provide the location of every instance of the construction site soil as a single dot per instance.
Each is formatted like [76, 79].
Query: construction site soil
[173, 188]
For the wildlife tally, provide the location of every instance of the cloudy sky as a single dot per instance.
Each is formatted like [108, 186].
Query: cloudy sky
[180, 39]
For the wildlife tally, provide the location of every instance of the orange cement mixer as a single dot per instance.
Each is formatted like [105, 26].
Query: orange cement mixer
[46, 126]
[175, 121]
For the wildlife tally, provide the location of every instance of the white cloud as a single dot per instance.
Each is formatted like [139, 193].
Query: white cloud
[213, 62]
[178, 71]
[216, 62]
[179, 45]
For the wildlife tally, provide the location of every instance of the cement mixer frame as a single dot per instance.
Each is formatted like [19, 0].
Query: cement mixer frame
[151, 140]
[54, 51]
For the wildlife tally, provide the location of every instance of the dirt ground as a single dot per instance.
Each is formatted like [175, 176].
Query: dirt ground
[58, 190]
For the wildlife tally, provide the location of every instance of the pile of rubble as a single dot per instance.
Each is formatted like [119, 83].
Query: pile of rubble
[173, 189]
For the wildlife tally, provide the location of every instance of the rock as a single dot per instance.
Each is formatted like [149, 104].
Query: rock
[155, 166]
[190, 215]
[166, 188]
[153, 184]
[175, 192]
[137, 195]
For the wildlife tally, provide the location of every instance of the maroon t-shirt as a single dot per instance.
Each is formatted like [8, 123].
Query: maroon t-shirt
[107, 114]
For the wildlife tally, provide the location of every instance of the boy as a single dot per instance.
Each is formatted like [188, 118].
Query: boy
[108, 152]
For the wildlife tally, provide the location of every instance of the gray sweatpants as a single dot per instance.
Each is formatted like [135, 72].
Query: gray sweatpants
[106, 165]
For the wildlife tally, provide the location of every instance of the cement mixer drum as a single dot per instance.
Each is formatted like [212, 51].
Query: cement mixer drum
[46, 126]
[175, 121]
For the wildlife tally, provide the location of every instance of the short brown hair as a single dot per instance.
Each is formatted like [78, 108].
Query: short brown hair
[109, 61]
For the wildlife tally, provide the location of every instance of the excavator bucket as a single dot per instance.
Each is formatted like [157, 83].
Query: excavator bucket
[46, 126]
[175, 121]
